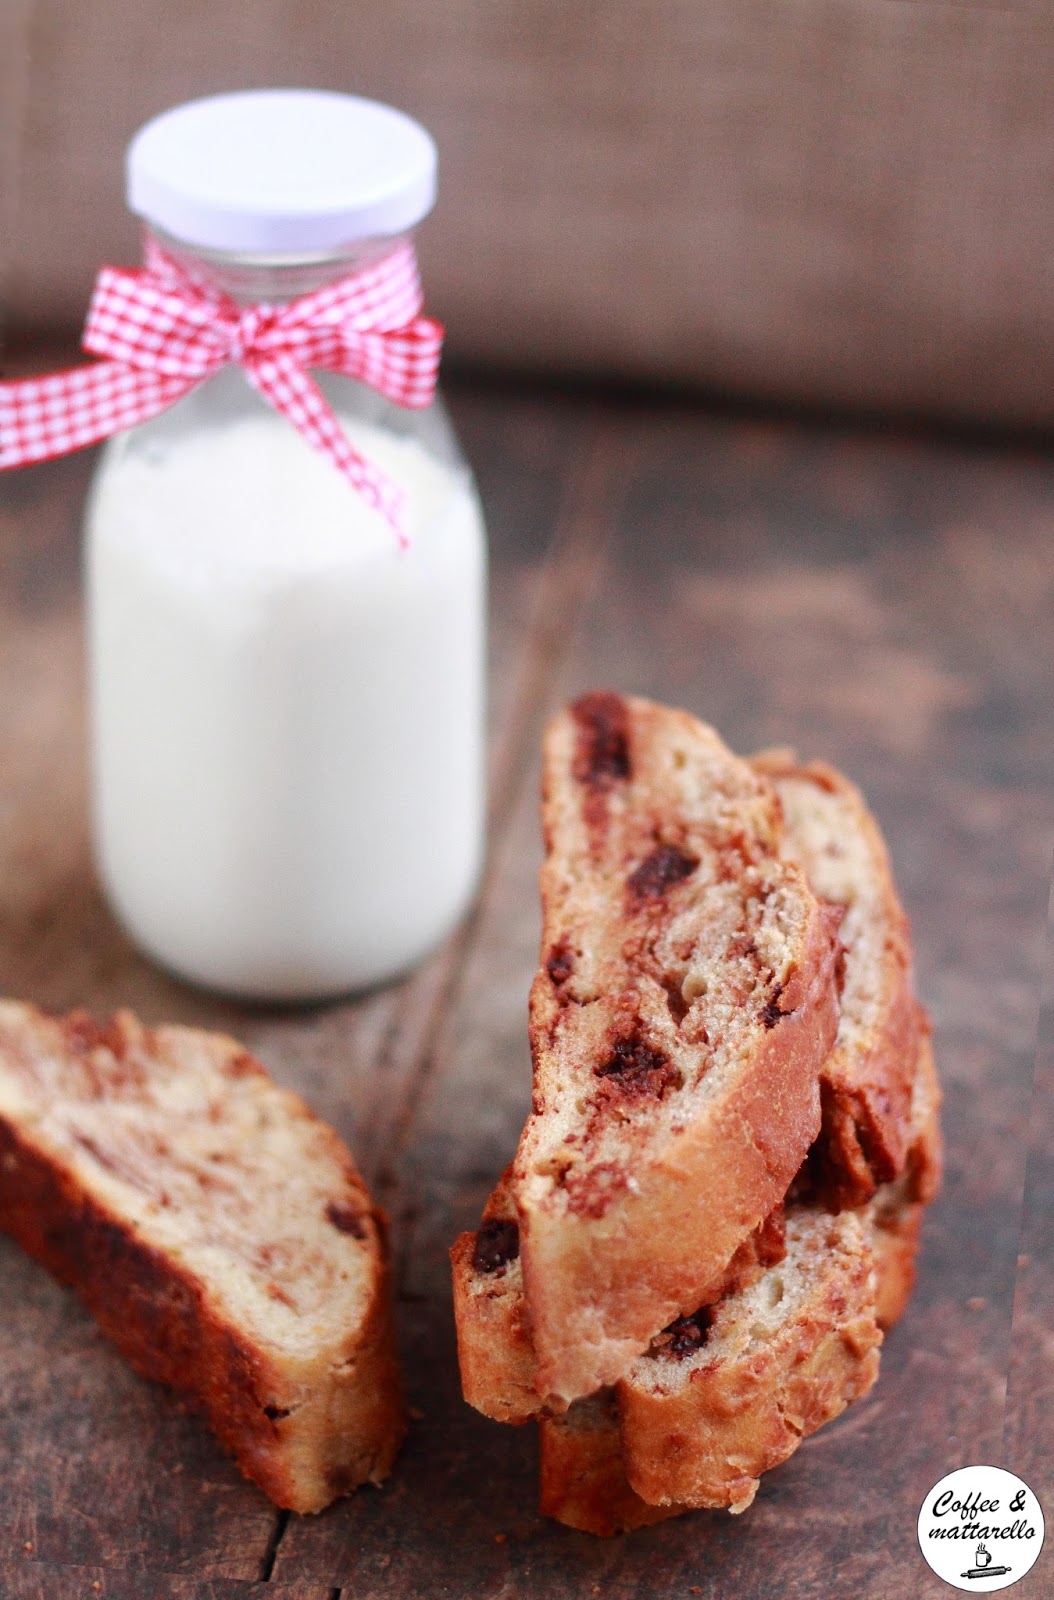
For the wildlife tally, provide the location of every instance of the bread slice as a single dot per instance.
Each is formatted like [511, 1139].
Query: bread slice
[775, 1380]
[728, 1394]
[866, 1081]
[495, 1349]
[216, 1229]
[865, 1086]
[697, 1420]
[582, 1471]
[718, 1412]
[895, 1213]
[684, 1005]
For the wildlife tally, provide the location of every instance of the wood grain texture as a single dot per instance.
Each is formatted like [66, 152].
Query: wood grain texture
[881, 601]
[38, 1580]
[838, 201]
[1028, 1435]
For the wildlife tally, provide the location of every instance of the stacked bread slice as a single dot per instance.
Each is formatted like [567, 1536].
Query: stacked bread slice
[714, 1207]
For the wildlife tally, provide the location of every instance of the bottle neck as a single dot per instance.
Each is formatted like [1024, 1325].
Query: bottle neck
[273, 279]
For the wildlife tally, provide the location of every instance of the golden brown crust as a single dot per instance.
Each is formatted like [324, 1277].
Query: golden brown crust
[925, 1164]
[705, 1442]
[895, 1214]
[751, 1397]
[582, 1474]
[703, 1436]
[866, 1083]
[306, 1426]
[751, 1415]
[895, 1246]
[681, 1013]
[598, 1294]
[746, 1406]
[495, 1349]
[584, 1471]
[494, 1344]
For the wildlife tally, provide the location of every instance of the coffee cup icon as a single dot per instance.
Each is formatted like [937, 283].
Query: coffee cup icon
[982, 1565]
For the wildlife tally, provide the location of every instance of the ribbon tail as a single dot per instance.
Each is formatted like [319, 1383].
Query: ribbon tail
[400, 363]
[286, 386]
[41, 418]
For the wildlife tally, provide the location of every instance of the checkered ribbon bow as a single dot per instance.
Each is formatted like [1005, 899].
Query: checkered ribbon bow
[163, 331]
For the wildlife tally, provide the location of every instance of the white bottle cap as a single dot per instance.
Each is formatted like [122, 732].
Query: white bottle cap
[281, 171]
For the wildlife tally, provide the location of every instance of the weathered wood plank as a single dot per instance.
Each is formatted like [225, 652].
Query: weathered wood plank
[881, 603]
[1028, 1440]
[38, 1580]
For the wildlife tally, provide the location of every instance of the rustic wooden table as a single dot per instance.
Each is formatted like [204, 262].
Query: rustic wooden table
[884, 601]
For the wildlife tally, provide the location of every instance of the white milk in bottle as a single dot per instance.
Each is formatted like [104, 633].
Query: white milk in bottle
[286, 703]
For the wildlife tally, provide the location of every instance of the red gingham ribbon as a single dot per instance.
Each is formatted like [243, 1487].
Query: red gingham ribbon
[164, 331]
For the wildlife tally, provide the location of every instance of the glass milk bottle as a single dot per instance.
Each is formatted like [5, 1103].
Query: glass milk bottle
[286, 701]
